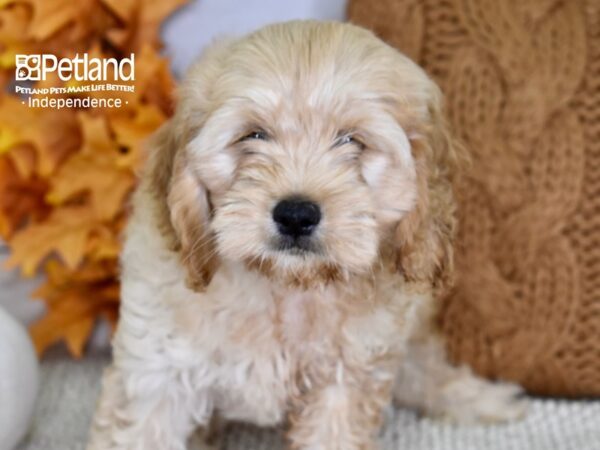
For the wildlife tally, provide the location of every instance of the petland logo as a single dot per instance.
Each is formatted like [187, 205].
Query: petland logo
[79, 82]
[79, 68]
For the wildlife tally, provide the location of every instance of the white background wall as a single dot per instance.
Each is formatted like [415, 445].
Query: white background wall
[186, 34]
[196, 25]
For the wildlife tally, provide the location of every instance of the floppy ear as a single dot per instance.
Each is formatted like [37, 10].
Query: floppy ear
[424, 238]
[183, 207]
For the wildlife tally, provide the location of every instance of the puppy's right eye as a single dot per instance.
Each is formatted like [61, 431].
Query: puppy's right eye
[256, 134]
[348, 138]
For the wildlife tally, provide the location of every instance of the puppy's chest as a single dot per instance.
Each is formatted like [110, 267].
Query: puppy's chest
[302, 326]
[258, 347]
[259, 342]
[303, 320]
[293, 323]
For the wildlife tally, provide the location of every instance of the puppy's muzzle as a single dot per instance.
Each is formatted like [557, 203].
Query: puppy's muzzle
[296, 219]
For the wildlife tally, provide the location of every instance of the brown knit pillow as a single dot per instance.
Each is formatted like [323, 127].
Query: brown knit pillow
[522, 81]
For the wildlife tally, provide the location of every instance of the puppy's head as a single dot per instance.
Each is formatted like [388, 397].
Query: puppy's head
[308, 151]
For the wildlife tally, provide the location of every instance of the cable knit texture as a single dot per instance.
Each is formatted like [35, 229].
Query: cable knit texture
[522, 82]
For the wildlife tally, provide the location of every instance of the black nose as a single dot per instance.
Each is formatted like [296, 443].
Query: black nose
[296, 217]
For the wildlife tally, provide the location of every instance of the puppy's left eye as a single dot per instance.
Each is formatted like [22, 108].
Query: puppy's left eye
[256, 134]
[347, 139]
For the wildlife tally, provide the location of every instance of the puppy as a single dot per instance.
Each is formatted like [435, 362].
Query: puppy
[291, 234]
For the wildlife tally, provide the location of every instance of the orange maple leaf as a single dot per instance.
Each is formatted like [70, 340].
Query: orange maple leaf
[65, 232]
[94, 169]
[51, 16]
[70, 312]
[143, 19]
[13, 34]
[54, 136]
[132, 131]
[75, 299]
[124, 9]
[60, 279]
[153, 81]
[21, 199]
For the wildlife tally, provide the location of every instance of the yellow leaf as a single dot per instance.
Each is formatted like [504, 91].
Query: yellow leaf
[143, 20]
[13, 34]
[52, 327]
[24, 158]
[65, 231]
[152, 14]
[153, 80]
[75, 298]
[15, 121]
[21, 198]
[105, 244]
[76, 335]
[50, 16]
[124, 9]
[8, 139]
[132, 132]
[95, 170]
[53, 134]
[92, 276]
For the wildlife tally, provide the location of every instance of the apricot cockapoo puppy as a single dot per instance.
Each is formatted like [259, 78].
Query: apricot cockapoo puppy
[291, 233]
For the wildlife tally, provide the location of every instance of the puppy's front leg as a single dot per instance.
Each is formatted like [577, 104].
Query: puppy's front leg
[157, 416]
[342, 415]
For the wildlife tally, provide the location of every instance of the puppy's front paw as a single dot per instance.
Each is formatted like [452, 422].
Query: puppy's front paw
[470, 400]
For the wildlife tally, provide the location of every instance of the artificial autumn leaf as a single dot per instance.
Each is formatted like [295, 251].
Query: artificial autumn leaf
[54, 135]
[71, 320]
[75, 299]
[5, 79]
[52, 327]
[57, 137]
[153, 81]
[76, 334]
[152, 14]
[13, 34]
[67, 27]
[14, 117]
[143, 28]
[124, 9]
[105, 243]
[65, 175]
[24, 159]
[94, 169]
[65, 232]
[8, 139]
[60, 279]
[21, 199]
[132, 131]
[50, 16]
[78, 37]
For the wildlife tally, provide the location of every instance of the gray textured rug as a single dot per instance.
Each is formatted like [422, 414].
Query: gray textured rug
[69, 390]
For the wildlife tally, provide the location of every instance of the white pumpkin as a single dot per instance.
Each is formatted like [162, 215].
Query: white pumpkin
[19, 378]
